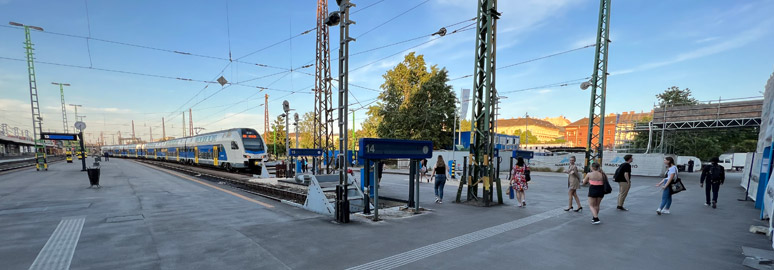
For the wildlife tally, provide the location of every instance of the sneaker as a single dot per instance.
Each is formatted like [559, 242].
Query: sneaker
[658, 211]
[714, 205]
[665, 211]
[622, 208]
[706, 204]
[596, 221]
[440, 201]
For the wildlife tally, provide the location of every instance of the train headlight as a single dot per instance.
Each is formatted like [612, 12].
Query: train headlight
[247, 156]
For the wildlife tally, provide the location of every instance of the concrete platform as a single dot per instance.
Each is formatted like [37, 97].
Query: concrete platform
[144, 218]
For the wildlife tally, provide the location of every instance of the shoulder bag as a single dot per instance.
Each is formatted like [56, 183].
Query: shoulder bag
[608, 188]
[677, 185]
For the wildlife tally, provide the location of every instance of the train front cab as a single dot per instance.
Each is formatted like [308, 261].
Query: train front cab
[254, 149]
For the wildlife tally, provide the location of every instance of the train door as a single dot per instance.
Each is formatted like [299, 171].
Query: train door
[177, 150]
[215, 155]
[196, 154]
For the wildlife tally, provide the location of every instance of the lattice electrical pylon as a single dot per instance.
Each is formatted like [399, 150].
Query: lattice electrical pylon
[598, 88]
[65, 126]
[37, 125]
[484, 105]
[323, 112]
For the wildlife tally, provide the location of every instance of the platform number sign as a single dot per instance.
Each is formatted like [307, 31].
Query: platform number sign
[371, 148]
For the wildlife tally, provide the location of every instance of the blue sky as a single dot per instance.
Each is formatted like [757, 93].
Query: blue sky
[716, 48]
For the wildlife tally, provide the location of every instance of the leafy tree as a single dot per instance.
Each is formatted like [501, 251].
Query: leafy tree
[675, 97]
[276, 137]
[306, 130]
[524, 135]
[416, 104]
[464, 125]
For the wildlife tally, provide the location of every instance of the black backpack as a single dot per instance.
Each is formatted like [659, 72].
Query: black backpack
[618, 176]
[716, 173]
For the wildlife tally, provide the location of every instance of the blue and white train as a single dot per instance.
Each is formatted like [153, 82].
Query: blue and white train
[232, 149]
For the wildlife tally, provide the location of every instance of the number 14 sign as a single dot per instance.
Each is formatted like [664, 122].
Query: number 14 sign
[371, 148]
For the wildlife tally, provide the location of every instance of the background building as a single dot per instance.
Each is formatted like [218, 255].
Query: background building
[545, 131]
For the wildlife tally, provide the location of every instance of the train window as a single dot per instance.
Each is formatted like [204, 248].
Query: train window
[234, 145]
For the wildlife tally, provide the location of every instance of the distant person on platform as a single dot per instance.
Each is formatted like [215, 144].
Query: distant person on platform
[690, 165]
[623, 175]
[715, 175]
[107, 156]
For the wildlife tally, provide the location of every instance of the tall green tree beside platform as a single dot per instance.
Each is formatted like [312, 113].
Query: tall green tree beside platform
[416, 104]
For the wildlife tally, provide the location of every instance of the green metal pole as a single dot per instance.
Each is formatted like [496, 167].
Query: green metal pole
[37, 126]
[594, 151]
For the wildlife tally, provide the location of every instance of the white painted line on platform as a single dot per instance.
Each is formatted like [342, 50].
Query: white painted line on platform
[417, 254]
[58, 251]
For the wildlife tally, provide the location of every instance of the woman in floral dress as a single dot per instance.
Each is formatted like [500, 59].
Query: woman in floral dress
[519, 181]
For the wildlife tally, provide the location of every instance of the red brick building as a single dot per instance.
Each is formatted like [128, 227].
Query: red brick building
[576, 133]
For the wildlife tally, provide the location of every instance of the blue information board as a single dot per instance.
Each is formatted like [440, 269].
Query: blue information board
[523, 154]
[58, 136]
[371, 148]
[303, 152]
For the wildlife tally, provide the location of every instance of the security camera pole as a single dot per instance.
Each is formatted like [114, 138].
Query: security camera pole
[342, 17]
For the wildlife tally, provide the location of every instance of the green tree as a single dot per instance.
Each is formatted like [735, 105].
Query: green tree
[673, 96]
[306, 130]
[464, 125]
[524, 135]
[276, 137]
[416, 104]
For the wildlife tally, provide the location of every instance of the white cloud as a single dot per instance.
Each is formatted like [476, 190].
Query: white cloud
[704, 40]
[737, 41]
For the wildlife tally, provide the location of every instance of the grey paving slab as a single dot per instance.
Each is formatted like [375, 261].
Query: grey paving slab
[143, 218]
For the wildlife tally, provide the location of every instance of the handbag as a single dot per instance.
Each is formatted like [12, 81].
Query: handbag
[608, 188]
[526, 175]
[677, 186]
[510, 192]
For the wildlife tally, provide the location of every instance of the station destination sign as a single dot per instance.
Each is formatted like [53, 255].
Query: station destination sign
[304, 152]
[58, 136]
[523, 154]
[371, 148]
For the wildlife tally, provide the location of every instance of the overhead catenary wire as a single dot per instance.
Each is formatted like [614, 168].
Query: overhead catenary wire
[88, 27]
[532, 60]
[460, 30]
[392, 19]
[178, 52]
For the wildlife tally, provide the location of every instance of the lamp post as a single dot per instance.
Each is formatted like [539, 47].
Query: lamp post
[286, 109]
[341, 17]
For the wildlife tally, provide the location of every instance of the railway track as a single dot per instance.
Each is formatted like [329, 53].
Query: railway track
[236, 180]
[12, 166]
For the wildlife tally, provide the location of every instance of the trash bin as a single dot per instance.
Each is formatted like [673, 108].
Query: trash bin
[93, 176]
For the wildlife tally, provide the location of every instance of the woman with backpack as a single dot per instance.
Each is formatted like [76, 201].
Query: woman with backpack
[596, 190]
[666, 194]
[440, 179]
[573, 184]
[519, 181]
